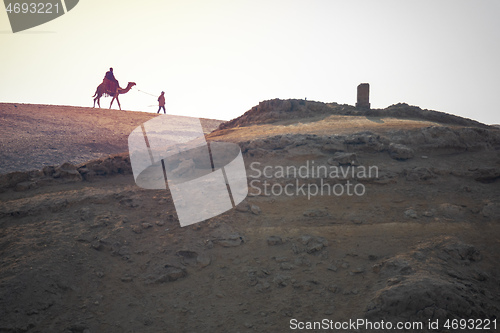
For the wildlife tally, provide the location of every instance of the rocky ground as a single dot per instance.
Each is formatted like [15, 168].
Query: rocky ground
[34, 136]
[83, 249]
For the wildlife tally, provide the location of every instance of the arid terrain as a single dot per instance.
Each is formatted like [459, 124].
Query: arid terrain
[386, 215]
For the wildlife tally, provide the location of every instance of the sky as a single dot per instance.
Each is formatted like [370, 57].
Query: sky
[218, 58]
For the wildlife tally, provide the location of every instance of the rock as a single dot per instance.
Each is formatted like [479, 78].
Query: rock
[146, 225]
[24, 186]
[101, 221]
[396, 266]
[231, 241]
[301, 261]
[13, 178]
[431, 299]
[203, 261]
[281, 259]
[305, 239]
[281, 280]
[394, 280]
[96, 168]
[87, 174]
[188, 257]
[68, 172]
[255, 209]
[96, 245]
[333, 288]
[316, 213]
[491, 210]
[333, 147]
[333, 268]
[451, 211]
[410, 213]
[126, 278]
[124, 251]
[400, 152]
[48, 171]
[418, 174]
[340, 158]
[274, 240]
[462, 251]
[77, 328]
[170, 273]
[85, 214]
[447, 249]
[358, 270]
[243, 206]
[262, 287]
[486, 175]
[286, 266]
[137, 229]
[428, 213]
[364, 141]
[439, 137]
[317, 244]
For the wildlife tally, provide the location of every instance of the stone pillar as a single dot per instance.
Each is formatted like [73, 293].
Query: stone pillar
[363, 96]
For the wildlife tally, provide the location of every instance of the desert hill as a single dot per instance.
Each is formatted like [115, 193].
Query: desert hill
[34, 136]
[277, 109]
[391, 217]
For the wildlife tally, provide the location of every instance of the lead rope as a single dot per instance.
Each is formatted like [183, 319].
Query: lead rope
[146, 93]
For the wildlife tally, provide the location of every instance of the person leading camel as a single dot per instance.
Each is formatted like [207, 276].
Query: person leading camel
[161, 103]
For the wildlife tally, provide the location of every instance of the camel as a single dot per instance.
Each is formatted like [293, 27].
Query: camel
[101, 90]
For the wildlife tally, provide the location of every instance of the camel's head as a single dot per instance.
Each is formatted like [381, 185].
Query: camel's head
[131, 84]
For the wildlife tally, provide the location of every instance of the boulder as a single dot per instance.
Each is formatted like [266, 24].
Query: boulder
[274, 240]
[491, 210]
[255, 209]
[340, 158]
[421, 299]
[67, 172]
[400, 152]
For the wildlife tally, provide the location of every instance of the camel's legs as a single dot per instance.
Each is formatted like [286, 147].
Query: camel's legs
[118, 101]
[115, 96]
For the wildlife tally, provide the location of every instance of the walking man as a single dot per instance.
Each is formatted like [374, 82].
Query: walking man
[161, 102]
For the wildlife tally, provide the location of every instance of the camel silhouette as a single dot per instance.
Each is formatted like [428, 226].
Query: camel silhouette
[102, 89]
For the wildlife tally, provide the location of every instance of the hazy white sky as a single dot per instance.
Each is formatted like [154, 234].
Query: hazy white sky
[217, 59]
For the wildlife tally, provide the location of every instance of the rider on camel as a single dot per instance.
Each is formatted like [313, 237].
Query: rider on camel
[110, 81]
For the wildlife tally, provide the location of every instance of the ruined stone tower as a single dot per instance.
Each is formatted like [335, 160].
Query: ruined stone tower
[363, 96]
